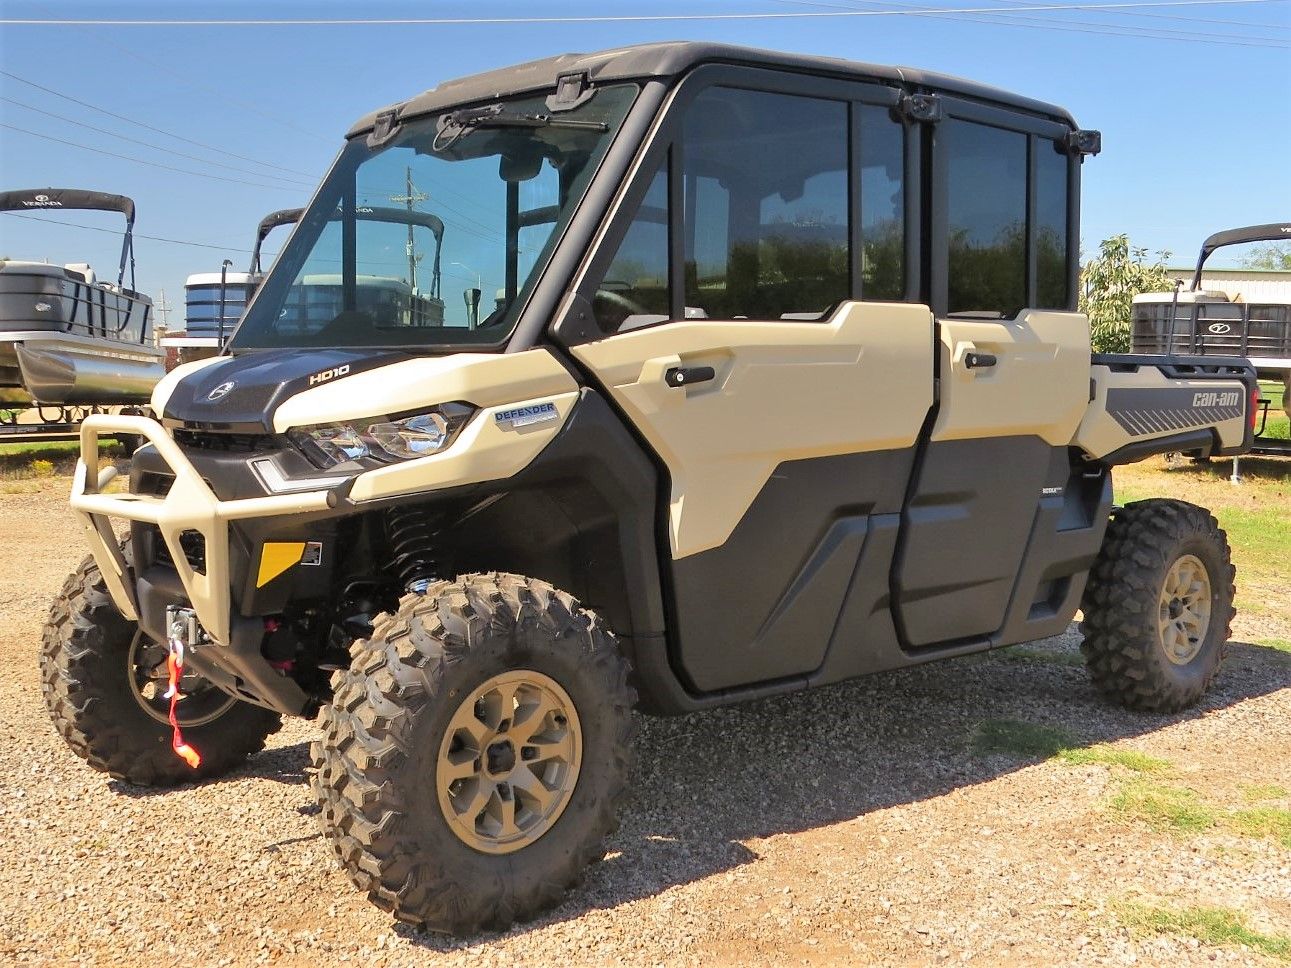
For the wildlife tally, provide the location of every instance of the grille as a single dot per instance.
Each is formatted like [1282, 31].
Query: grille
[229, 442]
[193, 543]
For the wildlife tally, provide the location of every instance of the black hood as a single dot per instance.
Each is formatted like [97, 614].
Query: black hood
[258, 383]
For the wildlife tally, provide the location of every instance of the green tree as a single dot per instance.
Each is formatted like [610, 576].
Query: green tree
[1273, 256]
[1108, 285]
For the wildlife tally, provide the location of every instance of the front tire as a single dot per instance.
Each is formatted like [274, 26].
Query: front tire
[1158, 606]
[475, 753]
[100, 677]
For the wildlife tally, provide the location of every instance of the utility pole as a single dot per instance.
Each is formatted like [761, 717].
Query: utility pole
[162, 309]
[410, 198]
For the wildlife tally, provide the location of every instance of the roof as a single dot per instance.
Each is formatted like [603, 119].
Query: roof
[671, 58]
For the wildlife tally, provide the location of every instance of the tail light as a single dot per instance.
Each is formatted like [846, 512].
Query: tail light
[1255, 406]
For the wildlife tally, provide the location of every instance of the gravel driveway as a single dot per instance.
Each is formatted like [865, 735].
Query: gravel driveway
[857, 824]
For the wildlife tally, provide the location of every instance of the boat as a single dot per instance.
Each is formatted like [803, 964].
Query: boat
[1224, 322]
[68, 338]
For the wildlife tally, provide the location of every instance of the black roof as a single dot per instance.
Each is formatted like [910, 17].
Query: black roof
[671, 58]
[1250, 233]
[74, 198]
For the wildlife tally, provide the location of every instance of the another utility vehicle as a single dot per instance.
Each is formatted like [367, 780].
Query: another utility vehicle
[784, 386]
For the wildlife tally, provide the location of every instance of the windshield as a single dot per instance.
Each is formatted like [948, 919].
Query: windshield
[435, 238]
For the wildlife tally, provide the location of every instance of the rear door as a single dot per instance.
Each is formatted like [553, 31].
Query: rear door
[730, 330]
[1013, 379]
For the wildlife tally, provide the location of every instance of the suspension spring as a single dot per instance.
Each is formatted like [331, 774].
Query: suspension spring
[413, 532]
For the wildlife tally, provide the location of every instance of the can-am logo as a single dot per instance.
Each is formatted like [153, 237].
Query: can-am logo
[42, 201]
[1219, 329]
[331, 374]
[1228, 398]
[221, 390]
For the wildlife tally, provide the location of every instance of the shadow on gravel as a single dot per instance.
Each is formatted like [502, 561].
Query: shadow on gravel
[707, 781]
[283, 764]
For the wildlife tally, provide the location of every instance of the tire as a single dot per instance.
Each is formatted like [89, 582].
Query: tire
[1130, 656]
[377, 769]
[86, 667]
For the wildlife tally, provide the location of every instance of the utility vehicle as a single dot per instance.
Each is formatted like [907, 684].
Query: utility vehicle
[785, 386]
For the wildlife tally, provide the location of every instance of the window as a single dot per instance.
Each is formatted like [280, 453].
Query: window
[766, 215]
[882, 205]
[1050, 225]
[634, 291]
[986, 218]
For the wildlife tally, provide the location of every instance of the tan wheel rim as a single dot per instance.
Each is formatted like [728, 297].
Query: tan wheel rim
[1184, 611]
[509, 761]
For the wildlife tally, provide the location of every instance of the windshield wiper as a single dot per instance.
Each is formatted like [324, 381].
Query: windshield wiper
[453, 125]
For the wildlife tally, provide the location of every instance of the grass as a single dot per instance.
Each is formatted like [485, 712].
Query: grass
[1255, 792]
[61, 447]
[1277, 424]
[1165, 807]
[1019, 739]
[1016, 738]
[1180, 810]
[1104, 755]
[1216, 927]
[1022, 653]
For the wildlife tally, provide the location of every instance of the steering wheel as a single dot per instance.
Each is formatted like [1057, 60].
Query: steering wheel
[616, 299]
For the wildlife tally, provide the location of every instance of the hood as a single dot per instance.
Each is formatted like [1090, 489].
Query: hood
[242, 393]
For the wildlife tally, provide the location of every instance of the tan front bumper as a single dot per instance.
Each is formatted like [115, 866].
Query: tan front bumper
[189, 505]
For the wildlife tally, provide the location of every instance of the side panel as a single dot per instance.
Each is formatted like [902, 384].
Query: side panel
[782, 391]
[764, 604]
[1139, 408]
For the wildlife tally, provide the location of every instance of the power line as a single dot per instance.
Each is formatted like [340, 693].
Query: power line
[615, 18]
[1005, 17]
[140, 161]
[295, 182]
[149, 127]
[150, 238]
[1189, 20]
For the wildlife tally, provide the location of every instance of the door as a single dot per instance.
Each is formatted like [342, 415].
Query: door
[784, 409]
[1013, 382]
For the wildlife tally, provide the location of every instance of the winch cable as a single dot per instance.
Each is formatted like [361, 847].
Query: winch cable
[175, 669]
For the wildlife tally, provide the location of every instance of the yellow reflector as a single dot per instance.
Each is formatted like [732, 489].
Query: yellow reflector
[276, 557]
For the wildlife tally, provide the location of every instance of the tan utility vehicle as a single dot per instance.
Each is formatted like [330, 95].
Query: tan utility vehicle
[782, 384]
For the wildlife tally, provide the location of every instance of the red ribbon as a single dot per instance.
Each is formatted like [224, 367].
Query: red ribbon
[174, 668]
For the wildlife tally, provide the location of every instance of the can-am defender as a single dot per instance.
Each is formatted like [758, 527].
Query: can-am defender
[784, 386]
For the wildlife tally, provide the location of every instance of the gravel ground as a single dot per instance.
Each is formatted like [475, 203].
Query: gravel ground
[851, 825]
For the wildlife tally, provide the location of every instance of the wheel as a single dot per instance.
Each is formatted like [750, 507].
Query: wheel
[104, 681]
[1158, 605]
[475, 753]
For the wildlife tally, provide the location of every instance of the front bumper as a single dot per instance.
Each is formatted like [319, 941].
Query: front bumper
[188, 506]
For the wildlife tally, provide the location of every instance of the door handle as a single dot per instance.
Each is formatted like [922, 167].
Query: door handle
[684, 376]
[973, 361]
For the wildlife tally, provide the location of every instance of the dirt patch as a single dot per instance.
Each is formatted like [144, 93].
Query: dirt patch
[865, 823]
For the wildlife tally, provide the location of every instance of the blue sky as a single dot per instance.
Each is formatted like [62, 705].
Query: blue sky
[1196, 135]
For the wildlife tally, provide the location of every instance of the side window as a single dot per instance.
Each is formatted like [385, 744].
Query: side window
[882, 205]
[766, 217]
[986, 217]
[634, 291]
[1051, 226]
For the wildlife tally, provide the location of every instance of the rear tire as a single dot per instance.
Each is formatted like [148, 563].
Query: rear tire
[1158, 606]
[436, 733]
[87, 668]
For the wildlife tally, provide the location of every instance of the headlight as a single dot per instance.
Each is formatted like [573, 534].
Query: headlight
[383, 439]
